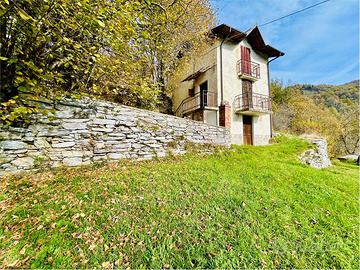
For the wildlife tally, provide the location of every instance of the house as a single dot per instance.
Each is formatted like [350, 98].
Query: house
[229, 85]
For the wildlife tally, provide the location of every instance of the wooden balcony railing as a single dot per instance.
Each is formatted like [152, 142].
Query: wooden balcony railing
[248, 69]
[252, 102]
[199, 101]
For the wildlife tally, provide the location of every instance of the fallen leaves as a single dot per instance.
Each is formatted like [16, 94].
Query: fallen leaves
[92, 247]
[110, 221]
[23, 250]
[13, 264]
[77, 235]
[229, 247]
[107, 265]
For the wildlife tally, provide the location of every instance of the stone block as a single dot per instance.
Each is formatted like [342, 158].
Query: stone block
[117, 134]
[63, 144]
[64, 114]
[98, 121]
[99, 157]
[116, 156]
[106, 130]
[56, 164]
[54, 133]
[74, 125]
[154, 145]
[131, 136]
[119, 145]
[72, 161]
[28, 138]
[76, 120]
[13, 145]
[72, 153]
[160, 154]
[15, 152]
[41, 143]
[24, 163]
[137, 145]
[126, 123]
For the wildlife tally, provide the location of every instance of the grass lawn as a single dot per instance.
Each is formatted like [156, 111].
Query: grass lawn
[248, 207]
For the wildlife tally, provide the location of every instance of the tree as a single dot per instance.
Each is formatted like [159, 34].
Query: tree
[116, 49]
[349, 136]
[296, 113]
[177, 29]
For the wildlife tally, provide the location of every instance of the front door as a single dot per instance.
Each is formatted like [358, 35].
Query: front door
[247, 129]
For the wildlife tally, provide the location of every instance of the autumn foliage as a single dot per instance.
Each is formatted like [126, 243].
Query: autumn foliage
[119, 50]
[296, 111]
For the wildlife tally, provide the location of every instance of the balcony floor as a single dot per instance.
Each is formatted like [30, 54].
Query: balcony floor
[254, 112]
[247, 77]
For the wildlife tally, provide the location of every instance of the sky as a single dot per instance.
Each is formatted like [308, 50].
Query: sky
[321, 44]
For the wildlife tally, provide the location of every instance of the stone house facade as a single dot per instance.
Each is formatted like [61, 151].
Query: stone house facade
[229, 85]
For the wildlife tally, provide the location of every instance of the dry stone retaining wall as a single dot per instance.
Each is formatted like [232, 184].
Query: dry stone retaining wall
[80, 132]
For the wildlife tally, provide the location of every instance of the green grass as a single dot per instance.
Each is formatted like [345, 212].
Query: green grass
[248, 207]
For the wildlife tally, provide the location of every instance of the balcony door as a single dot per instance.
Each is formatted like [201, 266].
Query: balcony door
[247, 94]
[247, 130]
[245, 60]
[203, 94]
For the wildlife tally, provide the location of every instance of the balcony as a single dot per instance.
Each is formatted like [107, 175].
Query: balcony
[252, 104]
[201, 100]
[248, 70]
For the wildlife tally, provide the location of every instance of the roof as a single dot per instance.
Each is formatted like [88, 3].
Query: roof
[196, 74]
[225, 31]
[253, 36]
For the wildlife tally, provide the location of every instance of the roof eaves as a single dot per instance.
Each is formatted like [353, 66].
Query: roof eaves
[196, 74]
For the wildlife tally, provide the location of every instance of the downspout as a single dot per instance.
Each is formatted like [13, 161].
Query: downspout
[268, 74]
[221, 69]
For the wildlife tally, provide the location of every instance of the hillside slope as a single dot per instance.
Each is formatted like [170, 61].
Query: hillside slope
[336, 96]
[248, 207]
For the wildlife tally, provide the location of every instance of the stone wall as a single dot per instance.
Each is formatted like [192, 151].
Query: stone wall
[79, 132]
[318, 157]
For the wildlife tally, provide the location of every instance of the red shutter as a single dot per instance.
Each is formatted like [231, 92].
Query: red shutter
[242, 58]
[245, 60]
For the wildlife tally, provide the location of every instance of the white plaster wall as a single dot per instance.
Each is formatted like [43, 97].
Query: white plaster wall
[232, 86]
[207, 59]
[261, 129]
[211, 117]
[260, 86]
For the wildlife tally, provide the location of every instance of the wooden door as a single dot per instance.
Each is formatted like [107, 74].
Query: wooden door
[247, 129]
[245, 60]
[246, 94]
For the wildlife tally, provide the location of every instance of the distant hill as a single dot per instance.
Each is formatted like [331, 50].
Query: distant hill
[355, 82]
[336, 96]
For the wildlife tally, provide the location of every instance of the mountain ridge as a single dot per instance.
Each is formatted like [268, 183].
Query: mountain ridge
[333, 96]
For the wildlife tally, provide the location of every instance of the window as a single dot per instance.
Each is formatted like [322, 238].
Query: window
[192, 92]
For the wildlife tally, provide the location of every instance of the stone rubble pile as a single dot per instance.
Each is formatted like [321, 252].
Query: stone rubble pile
[317, 158]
